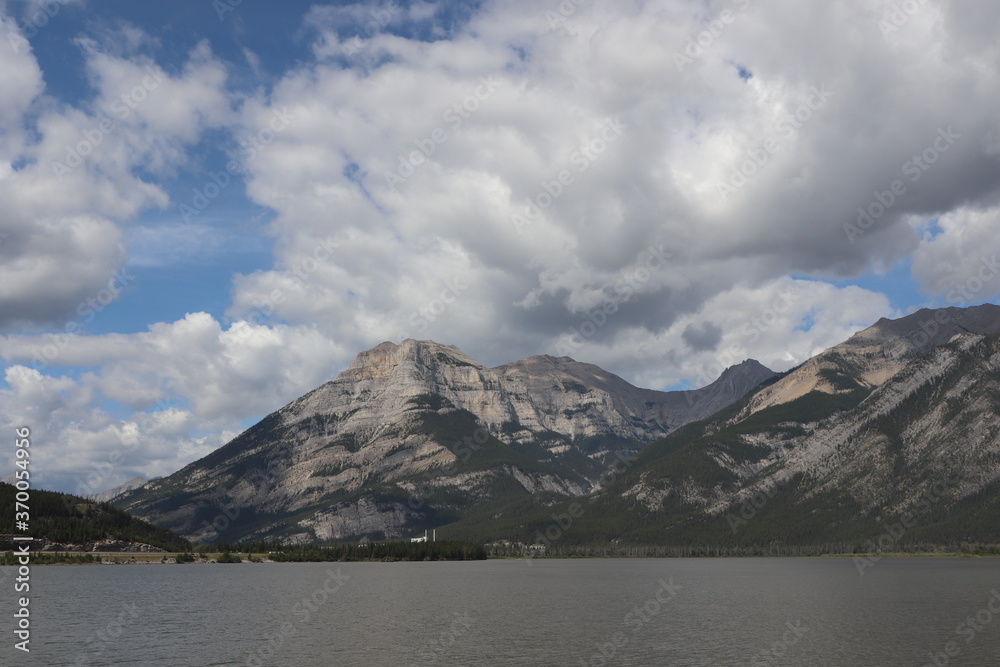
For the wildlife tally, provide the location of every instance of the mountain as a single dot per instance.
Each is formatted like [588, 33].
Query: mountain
[419, 435]
[873, 355]
[889, 439]
[111, 494]
[61, 522]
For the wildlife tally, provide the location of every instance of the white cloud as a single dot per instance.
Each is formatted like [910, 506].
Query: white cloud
[687, 130]
[181, 379]
[958, 259]
[70, 177]
[395, 165]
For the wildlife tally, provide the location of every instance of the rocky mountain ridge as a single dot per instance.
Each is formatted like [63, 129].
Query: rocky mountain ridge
[901, 421]
[873, 355]
[112, 493]
[841, 462]
[349, 457]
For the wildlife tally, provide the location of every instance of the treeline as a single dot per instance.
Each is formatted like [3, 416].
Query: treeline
[66, 519]
[50, 558]
[732, 551]
[371, 551]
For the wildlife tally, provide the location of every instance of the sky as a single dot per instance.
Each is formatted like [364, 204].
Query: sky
[210, 207]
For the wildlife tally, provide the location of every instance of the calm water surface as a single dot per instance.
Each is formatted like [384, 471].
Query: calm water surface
[707, 612]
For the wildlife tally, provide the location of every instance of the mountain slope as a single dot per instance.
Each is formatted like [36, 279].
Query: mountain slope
[923, 446]
[65, 520]
[875, 354]
[111, 494]
[416, 435]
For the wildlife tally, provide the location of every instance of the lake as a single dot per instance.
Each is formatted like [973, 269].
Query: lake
[710, 612]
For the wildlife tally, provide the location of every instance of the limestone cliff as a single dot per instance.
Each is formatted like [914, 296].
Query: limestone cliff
[361, 454]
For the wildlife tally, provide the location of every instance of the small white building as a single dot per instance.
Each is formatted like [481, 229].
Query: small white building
[423, 538]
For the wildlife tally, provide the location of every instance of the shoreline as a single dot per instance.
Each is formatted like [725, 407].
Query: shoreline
[169, 558]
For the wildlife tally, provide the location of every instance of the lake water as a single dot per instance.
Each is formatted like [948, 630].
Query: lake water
[711, 612]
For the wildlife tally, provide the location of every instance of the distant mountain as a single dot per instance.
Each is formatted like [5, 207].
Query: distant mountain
[111, 494]
[891, 438]
[418, 435]
[872, 356]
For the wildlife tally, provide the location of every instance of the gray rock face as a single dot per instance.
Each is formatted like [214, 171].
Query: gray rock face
[537, 394]
[111, 494]
[357, 455]
[872, 356]
[935, 422]
[901, 420]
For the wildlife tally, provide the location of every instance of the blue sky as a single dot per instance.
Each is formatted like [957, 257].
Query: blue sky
[637, 185]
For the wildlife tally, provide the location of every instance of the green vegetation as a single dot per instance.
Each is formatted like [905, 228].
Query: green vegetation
[227, 557]
[348, 441]
[329, 470]
[449, 360]
[381, 551]
[51, 558]
[429, 402]
[66, 519]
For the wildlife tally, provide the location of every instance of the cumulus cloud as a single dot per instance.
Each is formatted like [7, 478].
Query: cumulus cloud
[72, 177]
[738, 178]
[958, 255]
[702, 338]
[631, 183]
[188, 386]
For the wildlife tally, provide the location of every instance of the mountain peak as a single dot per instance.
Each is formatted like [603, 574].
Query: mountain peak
[873, 355]
[928, 328]
[743, 366]
[404, 412]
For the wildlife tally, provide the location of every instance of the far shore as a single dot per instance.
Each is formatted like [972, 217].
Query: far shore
[132, 558]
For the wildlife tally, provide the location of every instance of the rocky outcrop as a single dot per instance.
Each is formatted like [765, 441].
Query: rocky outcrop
[101, 546]
[358, 455]
[872, 356]
[845, 460]
[111, 494]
